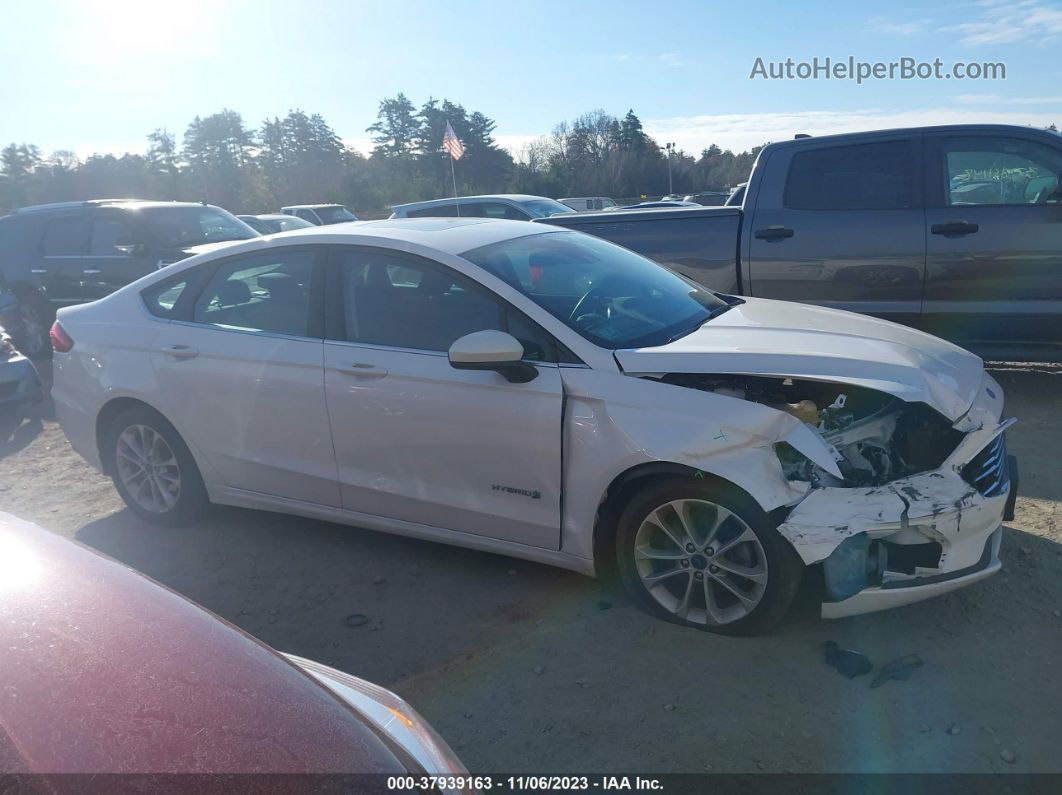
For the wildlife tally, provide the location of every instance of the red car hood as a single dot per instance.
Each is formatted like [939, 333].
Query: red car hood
[104, 671]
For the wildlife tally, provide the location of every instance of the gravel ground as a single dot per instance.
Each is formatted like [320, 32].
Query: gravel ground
[527, 668]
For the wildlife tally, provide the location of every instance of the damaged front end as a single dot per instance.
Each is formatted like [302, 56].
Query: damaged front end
[914, 502]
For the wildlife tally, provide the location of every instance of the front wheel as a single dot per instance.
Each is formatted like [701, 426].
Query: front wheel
[153, 469]
[701, 554]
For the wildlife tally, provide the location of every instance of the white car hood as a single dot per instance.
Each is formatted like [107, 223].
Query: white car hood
[779, 338]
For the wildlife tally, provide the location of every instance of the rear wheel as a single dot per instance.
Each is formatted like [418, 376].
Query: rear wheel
[153, 469]
[702, 554]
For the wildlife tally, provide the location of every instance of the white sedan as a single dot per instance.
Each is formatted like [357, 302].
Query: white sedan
[544, 394]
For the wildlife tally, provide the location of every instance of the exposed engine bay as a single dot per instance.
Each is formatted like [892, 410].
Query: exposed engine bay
[875, 438]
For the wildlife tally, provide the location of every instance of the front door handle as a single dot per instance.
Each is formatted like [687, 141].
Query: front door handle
[180, 351]
[954, 228]
[365, 370]
[772, 233]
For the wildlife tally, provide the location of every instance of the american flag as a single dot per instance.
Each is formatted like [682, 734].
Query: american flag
[452, 144]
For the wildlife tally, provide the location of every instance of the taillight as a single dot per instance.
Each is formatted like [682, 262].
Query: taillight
[61, 341]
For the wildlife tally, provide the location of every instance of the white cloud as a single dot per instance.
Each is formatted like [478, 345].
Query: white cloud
[671, 59]
[1003, 22]
[740, 131]
[996, 99]
[889, 27]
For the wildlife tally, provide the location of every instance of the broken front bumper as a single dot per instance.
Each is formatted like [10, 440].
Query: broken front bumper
[912, 539]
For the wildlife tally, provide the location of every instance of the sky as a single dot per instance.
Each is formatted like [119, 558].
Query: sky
[99, 76]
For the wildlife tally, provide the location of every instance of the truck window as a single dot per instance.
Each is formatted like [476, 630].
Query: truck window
[862, 177]
[983, 170]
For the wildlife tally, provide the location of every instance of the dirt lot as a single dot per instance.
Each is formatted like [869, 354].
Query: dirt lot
[526, 668]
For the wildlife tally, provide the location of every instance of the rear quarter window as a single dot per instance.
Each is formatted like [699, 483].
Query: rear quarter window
[162, 299]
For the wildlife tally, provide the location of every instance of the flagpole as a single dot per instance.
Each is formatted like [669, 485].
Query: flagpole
[453, 178]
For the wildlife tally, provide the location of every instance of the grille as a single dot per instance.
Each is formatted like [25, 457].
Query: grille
[988, 471]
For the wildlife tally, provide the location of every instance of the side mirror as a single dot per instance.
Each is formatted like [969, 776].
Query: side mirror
[129, 246]
[492, 350]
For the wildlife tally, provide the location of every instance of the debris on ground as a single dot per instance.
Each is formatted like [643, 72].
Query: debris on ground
[538, 670]
[1007, 756]
[924, 728]
[669, 707]
[357, 620]
[378, 580]
[846, 661]
[603, 605]
[899, 669]
[954, 729]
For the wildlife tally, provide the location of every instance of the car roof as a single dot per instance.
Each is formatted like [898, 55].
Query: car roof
[107, 671]
[308, 206]
[514, 197]
[447, 235]
[272, 217]
[960, 129]
[130, 204]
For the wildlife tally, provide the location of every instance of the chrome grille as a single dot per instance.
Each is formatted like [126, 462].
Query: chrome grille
[988, 471]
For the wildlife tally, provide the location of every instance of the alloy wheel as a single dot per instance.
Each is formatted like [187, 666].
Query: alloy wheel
[700, 562]
[148, 468]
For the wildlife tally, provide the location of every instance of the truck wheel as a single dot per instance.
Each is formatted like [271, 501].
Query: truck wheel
[702, 555]
[27, 322]
[153, 469]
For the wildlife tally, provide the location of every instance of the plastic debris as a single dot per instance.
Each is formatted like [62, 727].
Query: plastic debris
[848, 662]
[357, 620]
[899, 669]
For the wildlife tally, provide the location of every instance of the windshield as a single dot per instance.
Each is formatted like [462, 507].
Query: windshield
[335, 215]
[179, 227]
[611, 296]
[544, 208]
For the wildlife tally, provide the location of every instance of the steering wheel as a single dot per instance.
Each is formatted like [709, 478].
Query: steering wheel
[594, 293]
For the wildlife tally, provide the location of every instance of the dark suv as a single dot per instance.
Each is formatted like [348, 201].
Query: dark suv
[57, 254]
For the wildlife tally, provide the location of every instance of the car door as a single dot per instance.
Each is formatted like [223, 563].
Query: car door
[841, 226]
[994, 241]
[118, 253]
[62, 246]
[417, 440]
[240, 368]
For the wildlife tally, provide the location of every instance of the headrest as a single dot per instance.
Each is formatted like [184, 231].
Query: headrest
[233, 292]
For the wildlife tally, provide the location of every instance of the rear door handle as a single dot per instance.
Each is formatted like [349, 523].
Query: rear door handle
[180, 351]
[92, 271]
[954, 228]
[365, 370]
[772, 233]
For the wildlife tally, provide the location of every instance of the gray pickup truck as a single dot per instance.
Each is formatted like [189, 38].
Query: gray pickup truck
[954, 230]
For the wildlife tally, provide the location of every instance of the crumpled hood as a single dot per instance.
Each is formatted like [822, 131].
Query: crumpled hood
[780, 338]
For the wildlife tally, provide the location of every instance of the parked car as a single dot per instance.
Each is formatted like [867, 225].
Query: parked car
[270, 224]
[585, 204]
[533, 391]
[19, 382]
[320, 214]
[510, 206]
[58, 254]
[106, 672]
[953, 230]
[708, 198]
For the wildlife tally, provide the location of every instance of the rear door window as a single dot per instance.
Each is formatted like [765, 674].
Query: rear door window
[437, 211]
[261, 292]
[878, 176]
[109, 231]
[64, 237]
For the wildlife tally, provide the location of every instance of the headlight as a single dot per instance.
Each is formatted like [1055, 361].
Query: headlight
[391, 715]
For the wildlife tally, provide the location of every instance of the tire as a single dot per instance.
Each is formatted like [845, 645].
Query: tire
[730, 533]
[28, 322]
[173, 493]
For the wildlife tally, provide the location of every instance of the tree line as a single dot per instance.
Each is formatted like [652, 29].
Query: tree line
[299, 158]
